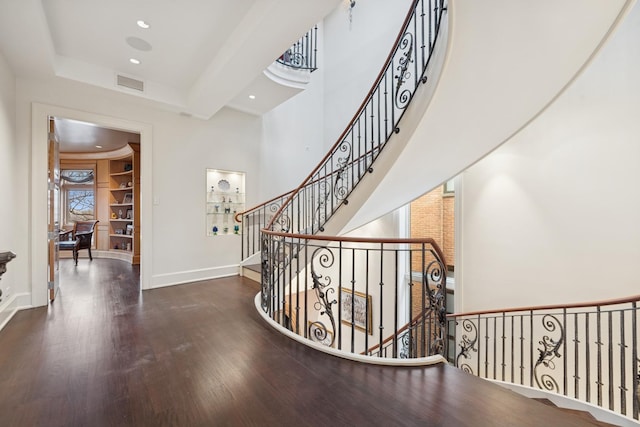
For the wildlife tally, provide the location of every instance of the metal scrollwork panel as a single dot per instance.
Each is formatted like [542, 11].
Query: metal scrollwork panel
[467, 345]
[323, 257]
[549, 351]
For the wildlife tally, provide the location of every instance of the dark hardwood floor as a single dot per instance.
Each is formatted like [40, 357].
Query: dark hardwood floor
[105, 354]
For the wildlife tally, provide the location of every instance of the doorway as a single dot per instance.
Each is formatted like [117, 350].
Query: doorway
[39, 245]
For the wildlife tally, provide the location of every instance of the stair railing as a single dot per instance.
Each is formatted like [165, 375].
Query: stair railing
[587, 351]
[290, 253]
[302, 54]
[328, 187]
[352, 293]
[308, 207]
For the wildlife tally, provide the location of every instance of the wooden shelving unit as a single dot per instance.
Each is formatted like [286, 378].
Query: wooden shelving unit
[124, 202]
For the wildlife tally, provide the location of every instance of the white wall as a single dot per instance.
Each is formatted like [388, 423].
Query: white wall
[293, 135]
[553, 215]
[8, 171]
[182, 149]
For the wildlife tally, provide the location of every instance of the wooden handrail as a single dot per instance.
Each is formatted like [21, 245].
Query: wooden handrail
[549, 307]
[398, 332]
[357, 114]
[427, 240]
[240, 214]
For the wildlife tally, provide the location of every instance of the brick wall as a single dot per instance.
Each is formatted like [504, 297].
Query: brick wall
[432, 215]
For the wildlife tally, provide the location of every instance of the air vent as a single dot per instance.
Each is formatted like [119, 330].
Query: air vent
[130, 83]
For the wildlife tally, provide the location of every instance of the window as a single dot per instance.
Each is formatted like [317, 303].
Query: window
[78, 195]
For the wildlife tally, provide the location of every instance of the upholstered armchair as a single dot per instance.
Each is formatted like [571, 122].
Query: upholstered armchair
[81, 237]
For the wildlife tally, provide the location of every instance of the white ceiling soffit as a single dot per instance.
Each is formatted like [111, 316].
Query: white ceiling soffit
[202, 54]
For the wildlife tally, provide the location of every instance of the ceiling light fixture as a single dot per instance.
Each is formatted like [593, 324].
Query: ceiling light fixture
[252, 97]
[142, 24]
[134, 61]
[98, 146]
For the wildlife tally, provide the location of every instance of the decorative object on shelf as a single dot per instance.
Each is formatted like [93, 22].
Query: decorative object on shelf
[224, 185]
[129, 230]
[120, 213]
[128, 167]
[113, 215]
[129, 184]
[129, 213]
[128, 198]
[228, 199]
[236, 228]
[215, 230]
[123, 185]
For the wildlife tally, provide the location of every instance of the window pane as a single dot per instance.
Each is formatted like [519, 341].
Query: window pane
[80, 204]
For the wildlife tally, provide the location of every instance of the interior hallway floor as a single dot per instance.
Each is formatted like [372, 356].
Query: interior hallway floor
[106, 354]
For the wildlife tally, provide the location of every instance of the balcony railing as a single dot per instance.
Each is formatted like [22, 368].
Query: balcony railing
[303, 53]
[585, 351]
[357, 295]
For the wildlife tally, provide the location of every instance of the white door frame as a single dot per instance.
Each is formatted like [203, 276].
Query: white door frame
[39, 152]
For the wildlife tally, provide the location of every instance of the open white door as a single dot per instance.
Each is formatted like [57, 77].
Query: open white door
[53, 216]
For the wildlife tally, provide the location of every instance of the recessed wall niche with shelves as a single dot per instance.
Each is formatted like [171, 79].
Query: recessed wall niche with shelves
[225, 198]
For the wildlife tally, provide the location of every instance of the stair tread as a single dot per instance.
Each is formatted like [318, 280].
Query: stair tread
[253, 267]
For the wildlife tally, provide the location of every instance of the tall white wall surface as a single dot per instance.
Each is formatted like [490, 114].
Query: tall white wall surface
[553, 215]
[8, 208]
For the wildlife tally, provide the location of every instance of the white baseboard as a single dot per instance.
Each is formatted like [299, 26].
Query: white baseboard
[179, 278]
[601, 414]
[12, 305]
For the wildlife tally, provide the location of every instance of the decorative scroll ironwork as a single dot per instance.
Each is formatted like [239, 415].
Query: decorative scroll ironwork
[404, 60]
[435, 288]
[266, 285]
[321, 286]
[341, 186]
[467, 345]
[548, 353]
[407, 348]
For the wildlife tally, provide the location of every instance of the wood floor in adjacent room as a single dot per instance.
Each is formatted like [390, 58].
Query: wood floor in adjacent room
[105, 354]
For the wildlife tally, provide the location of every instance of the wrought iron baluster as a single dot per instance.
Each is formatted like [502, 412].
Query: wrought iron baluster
[599, 344]
[564, 351]
[576, 358]
[623, 379]
[635, 357]
[610, 351]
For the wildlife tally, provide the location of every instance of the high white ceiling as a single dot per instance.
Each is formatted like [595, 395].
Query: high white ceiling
[203, 53]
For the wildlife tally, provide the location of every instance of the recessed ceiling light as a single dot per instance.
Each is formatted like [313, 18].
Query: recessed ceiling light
[98, 146]
[142, 24]
[252, 97]
[134, 61]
